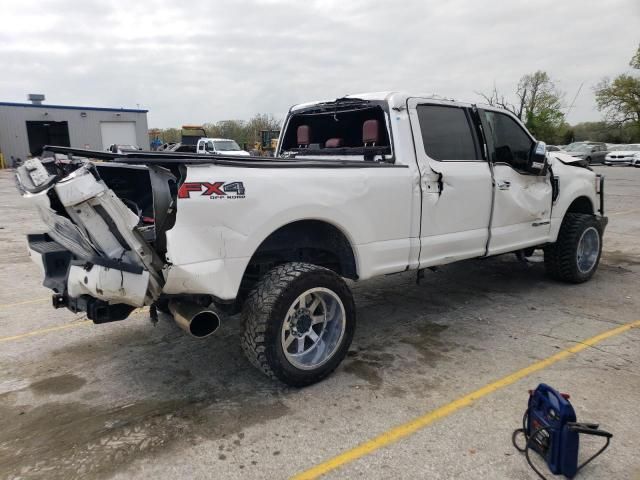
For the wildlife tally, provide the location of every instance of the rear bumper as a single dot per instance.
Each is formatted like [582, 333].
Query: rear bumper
[102, 288]
[93, 256]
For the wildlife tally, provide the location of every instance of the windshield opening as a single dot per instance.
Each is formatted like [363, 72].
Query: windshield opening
[226, 146]
[580, 147]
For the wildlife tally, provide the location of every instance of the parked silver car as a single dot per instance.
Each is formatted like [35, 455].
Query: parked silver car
[592, 152]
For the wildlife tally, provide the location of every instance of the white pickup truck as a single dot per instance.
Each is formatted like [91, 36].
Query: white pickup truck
[361, 186]
[220, 146]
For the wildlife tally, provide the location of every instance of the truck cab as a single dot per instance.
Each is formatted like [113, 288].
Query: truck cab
[486, 186]
[220, 146]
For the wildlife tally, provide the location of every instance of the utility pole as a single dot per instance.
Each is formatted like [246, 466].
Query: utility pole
[574, 99]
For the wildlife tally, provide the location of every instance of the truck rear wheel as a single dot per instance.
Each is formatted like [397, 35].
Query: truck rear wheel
[575, 256]
[298, 322]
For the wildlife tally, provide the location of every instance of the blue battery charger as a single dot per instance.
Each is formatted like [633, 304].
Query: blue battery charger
[550, 429]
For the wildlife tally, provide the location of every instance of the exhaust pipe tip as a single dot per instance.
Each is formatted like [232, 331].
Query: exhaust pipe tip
[197, 321]
[204, 324]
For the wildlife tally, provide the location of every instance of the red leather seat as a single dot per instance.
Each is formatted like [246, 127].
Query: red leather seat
[370, 132]
[304, 136]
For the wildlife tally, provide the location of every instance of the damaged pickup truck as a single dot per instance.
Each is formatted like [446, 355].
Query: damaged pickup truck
[361, 186]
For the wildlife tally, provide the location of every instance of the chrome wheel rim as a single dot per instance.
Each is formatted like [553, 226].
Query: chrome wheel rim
[588, 250]
[313, 328]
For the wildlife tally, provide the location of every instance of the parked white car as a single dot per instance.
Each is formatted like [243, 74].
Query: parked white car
[220, 146]
[361, 186]
[623, 155]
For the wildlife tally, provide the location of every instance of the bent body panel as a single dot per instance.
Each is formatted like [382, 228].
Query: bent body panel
[370, 206]
[573, 183]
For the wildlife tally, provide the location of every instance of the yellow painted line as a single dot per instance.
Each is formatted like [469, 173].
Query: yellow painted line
[42, 331]
[26, 302]
[409, 428]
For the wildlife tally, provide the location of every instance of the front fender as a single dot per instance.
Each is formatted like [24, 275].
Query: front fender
[573, 183]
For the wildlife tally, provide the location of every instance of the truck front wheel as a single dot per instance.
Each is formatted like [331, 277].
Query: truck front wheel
[575, 256]
[298, 322]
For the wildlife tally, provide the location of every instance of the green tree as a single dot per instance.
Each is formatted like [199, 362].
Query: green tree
[233, 129]
[245, 133]
[259, 123]
[169, 135]
[619, 98]
[635, 60]
[538, 104]
[605, 132]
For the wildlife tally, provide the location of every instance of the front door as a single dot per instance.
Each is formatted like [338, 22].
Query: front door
[522, 201]
[455, 182]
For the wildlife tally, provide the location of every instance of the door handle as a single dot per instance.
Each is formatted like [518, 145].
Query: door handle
[504, 185]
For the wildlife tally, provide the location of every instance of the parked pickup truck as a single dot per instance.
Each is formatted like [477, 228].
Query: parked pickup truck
[361, 186]
[220, 146]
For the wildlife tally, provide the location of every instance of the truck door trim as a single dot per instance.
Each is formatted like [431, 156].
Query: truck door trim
[487, 144]
[435, 176]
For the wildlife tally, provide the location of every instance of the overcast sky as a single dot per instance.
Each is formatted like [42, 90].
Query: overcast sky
[208, 60]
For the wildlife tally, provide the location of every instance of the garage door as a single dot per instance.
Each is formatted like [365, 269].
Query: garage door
[121, 133]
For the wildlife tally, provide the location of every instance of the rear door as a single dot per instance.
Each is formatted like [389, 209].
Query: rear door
[522, 201]
[455, 181]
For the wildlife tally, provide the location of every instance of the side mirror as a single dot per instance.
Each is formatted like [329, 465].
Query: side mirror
[538, 158]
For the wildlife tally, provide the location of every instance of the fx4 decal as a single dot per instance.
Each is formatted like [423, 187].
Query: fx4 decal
[212, 189]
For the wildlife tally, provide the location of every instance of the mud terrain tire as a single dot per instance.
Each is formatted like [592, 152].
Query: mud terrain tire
[268, 310]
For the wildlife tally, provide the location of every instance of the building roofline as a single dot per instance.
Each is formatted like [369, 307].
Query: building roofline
[72, 107]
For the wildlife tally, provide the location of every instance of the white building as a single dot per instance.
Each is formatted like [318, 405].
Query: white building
[26, 127]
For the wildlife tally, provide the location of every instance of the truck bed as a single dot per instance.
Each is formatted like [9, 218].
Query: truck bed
[173, 158]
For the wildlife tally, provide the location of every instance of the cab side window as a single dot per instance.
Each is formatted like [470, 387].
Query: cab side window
[446, 133]
[511, 143]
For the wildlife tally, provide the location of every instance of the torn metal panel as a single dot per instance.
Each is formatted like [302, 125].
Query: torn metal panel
[108, 284]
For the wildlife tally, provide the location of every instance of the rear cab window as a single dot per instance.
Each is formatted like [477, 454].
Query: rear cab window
[348, 128]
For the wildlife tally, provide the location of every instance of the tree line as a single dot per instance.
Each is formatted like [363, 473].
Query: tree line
[537, 101]
[541, 106]
[245, 133]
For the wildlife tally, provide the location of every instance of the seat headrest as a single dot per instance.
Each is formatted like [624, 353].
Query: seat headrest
[304, 135]
[333, 143]
[370, 131]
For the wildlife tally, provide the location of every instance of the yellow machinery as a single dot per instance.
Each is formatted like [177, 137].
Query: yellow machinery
[268, 142]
